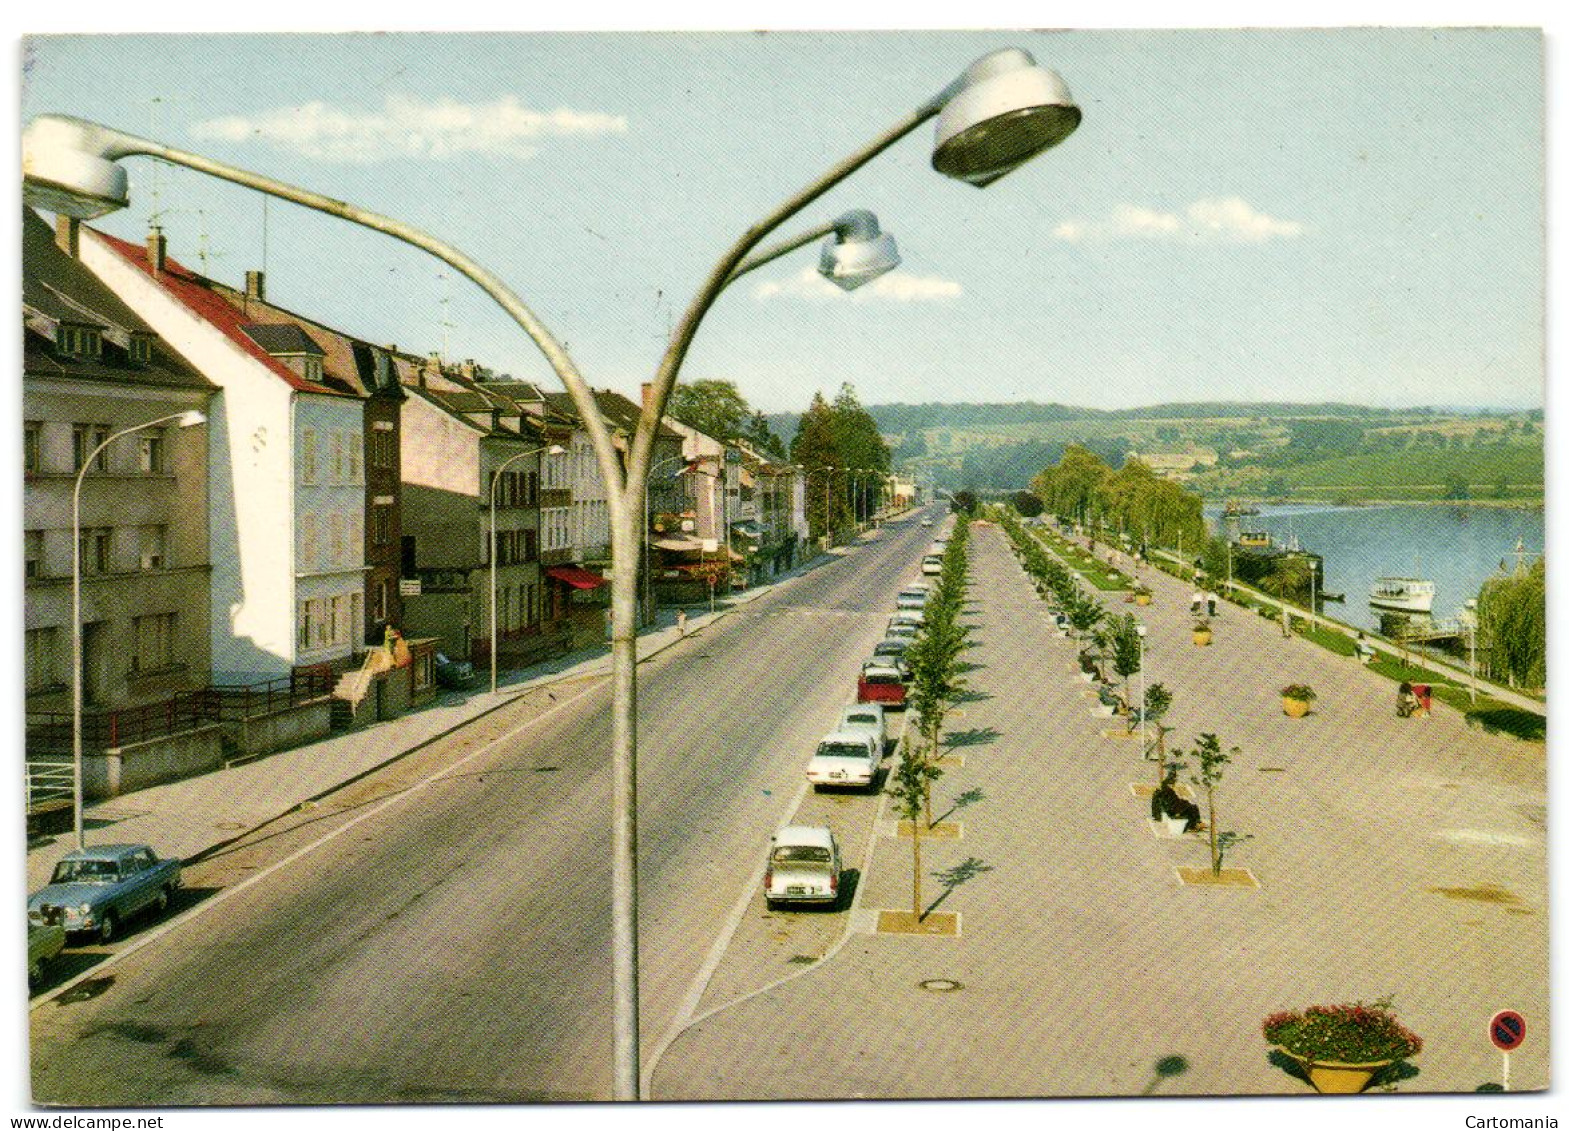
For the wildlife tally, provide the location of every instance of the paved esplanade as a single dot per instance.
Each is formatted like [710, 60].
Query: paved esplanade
[1403, 857]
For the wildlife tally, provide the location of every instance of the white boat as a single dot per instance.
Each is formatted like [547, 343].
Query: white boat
[1407, 594]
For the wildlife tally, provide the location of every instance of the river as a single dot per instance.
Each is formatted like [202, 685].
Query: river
[1456, 546]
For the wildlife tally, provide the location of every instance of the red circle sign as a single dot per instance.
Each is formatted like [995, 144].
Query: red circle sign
[1507, 1030]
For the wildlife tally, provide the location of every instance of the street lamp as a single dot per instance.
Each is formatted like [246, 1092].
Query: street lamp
[1000, 112]
[1143, 737]
[187, 419]
[495, 481]
[1471, 624]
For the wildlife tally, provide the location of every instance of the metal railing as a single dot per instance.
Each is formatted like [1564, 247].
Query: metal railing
[48, 781]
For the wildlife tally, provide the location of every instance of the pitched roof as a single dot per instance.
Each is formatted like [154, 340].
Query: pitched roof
[57, 288]
[202, 298]
[284, 337]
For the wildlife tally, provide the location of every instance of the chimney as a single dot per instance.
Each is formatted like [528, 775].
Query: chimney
[467, 368]
[157, 250]
[648, 392]
[68, 235]
[256, 285]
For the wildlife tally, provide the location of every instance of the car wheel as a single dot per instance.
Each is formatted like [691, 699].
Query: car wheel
[107, 927]
[162, 902]
[771, 904]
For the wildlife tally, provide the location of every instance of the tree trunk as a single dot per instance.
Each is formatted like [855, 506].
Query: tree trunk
[1214, 847]
[915, 877]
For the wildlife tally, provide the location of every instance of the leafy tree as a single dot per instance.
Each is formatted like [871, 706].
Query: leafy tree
[762, 437]
[861, 445]
[1457, 487]
[715, 408]
[816, 448]
[1209, 767]
[1512, 624]
[1027, 504]
[964, 502]
[1119, 636]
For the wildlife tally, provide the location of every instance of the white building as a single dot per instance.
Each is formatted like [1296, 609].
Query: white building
[286, 473]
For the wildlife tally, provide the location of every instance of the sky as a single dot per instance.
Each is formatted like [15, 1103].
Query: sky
[1352, 215]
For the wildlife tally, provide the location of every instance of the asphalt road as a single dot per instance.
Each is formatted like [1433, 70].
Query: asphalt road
[455, 945]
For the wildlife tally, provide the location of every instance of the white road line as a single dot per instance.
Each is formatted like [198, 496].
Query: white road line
[230, 892]
[686, 1015]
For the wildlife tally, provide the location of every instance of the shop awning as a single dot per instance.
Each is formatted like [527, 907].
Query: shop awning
[682, 545]
[575, 577]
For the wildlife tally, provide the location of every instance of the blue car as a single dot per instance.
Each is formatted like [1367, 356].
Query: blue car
[95, 890]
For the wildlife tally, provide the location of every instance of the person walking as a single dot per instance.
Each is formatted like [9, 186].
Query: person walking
[1212, 599]
[1196, 603]
[681, 623]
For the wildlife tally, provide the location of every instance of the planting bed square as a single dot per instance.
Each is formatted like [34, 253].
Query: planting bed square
[1228, 878]
[939, 924]
[946, 830]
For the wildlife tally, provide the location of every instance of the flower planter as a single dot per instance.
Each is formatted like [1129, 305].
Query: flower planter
[1296, 708]
[1173, 826]
[1141, 598]
[1202, 637]
[1334, 1078]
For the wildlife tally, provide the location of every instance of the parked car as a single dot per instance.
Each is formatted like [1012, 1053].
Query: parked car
[892, 650]
[803, 866]
[44, 942]
[927, 521]
[456, 674]
[912, 618]
[900, 631]
[910, 599]
[880, 682]
[931, 565]
[869, 717]
[95, 890]
[845, 757]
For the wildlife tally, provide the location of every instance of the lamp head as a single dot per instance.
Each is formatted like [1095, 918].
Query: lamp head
[857, 252]
[555, 450]
[1003, 111]
[191, 417]
[68, 167]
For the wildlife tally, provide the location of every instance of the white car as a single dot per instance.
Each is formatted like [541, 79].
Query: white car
[869, 717]
[803, 866]
[901, 631]
[927, 521]
[931, 565]
[912, 618]
[910, 599]
[845, 758]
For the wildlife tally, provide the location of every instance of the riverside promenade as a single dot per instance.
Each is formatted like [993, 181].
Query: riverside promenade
[1403, 857]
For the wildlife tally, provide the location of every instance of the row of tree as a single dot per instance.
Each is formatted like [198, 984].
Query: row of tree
[1133, 499]
[935, 683]
[1511, 615]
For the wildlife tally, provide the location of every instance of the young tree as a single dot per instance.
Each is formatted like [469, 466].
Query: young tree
[1120, 637]
[1208, 769]
[909, 787]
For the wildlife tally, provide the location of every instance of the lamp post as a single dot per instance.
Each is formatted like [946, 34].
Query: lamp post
[495, 480]
[1472, 625]
[1003, 110]
[1143, 736]
[187, 419]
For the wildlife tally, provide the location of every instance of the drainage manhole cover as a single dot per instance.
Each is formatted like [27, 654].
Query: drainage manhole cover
[941, 985]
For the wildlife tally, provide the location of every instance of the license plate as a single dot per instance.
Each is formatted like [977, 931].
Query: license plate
[837, 774]
[796, 889]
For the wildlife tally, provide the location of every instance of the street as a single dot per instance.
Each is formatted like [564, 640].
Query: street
[366, 971]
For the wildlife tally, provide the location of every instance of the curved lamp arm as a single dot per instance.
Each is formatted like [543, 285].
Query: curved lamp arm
[89, 143]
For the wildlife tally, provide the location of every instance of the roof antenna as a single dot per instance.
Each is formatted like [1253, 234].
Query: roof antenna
[446, 324]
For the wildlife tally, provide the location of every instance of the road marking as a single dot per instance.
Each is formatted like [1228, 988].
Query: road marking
[686, 1016]
[230, 892]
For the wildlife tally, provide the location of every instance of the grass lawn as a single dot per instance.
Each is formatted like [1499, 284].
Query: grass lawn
[1095, 571]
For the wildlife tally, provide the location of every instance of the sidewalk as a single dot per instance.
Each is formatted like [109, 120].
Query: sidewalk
[189, 817]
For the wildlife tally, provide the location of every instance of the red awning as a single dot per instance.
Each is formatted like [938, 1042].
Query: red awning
[575, 577]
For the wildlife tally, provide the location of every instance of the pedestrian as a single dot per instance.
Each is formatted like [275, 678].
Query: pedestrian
[681, 622]
[1212, 600]
[1196, 603]
[1365, 651]
[1405, 701]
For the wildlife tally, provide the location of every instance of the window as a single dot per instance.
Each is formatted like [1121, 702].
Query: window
[356, 616]
[80, 341]
[335, 542]
[306, 625]
[531, 496]
[34, 549]
[32, 446]
[153, 642]
[340, 619]
[95, 548]
[85, 439]
[337, 457]
[530, 545]
[503, 608]
[154, 546]
[43, 661]
[379, 593]
[140, 349]
[356, 447]
[152, 452]
[383, 445]
[310, 543]
[531, 603]
[381, 525]
[312, 369]
[307, 455]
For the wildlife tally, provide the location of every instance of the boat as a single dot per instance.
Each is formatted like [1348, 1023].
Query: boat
[1404, 594]
[1235, 509]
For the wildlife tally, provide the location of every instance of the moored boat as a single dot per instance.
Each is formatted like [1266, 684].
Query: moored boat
[1407, 594]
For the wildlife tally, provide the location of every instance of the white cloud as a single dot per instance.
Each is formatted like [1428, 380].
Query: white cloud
[1228, 219]
[411, 128]
[896, 286]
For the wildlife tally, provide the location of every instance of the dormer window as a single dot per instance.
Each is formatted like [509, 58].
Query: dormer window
[140, 348]
[78, 340]
[312, 368]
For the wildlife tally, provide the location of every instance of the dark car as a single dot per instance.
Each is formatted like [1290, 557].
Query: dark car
[455, 674]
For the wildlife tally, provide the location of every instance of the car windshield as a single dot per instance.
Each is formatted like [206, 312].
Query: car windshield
[893, 647]
[842, 750]
[800, 854]
[85, 871]
[861, 720]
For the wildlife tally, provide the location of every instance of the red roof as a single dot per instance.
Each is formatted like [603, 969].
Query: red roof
[575, 577]
[195, 293]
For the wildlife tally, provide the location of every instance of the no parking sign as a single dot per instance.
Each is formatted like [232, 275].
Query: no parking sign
[1507, 1031]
